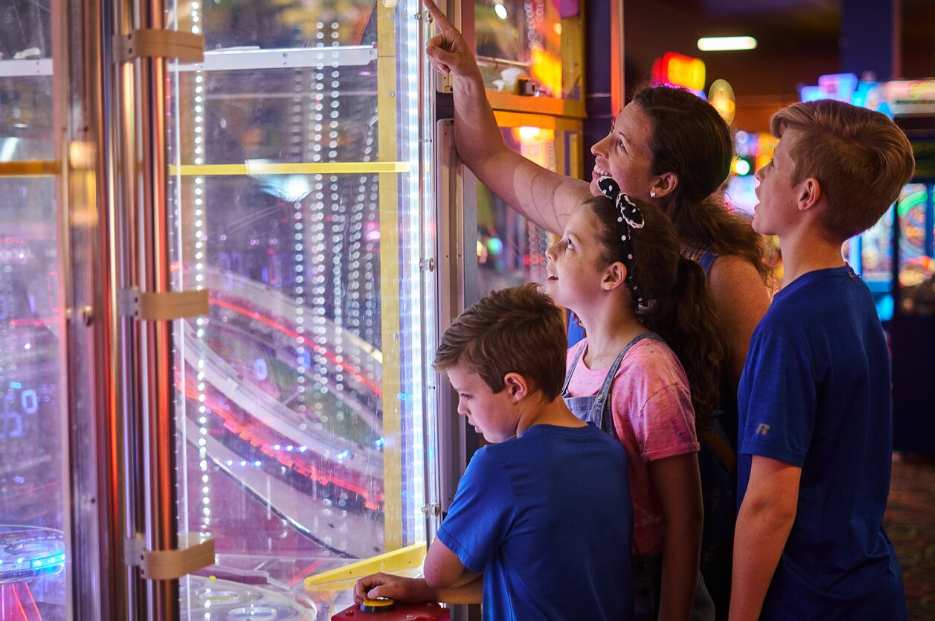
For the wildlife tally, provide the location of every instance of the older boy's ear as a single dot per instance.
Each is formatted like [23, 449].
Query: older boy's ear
[810, 194]
[516, 386]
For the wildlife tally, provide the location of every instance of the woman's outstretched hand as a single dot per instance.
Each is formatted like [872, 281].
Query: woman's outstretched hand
[448, 51]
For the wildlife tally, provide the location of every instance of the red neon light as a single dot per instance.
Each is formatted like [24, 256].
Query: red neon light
[318, 348]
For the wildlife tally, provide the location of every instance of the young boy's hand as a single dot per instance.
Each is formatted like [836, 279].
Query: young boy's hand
[448, 51]
[395, 587]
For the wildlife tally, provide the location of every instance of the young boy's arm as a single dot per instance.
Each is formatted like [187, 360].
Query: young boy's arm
[443, 569]
[417, 590]
[763, 526]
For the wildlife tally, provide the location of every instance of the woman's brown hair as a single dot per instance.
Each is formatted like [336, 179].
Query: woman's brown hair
[691, 140]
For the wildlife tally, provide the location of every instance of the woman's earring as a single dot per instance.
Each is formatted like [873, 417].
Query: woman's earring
[652, 194]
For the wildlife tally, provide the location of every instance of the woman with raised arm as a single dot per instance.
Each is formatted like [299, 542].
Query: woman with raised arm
[668, 148]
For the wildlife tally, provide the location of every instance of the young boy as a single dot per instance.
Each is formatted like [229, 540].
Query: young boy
[544, 511]
[815, 408]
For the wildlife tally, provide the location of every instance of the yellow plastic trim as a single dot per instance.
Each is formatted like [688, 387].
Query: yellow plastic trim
[387, 102]
[403, 558]
[540, 105]
[32, 168]
[305, 168]
[519, 119]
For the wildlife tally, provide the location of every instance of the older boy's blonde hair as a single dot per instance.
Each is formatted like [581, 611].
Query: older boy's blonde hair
[860, 158]
[518, 330]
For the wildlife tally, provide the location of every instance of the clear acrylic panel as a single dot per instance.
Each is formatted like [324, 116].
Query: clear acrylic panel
[916, 256]
[297, 205]
[915, 265]
[876, 252]
[32, 550]
[510, 248]
[519, 47]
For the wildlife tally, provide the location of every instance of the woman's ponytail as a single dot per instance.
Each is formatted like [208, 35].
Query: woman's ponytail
[685, 318]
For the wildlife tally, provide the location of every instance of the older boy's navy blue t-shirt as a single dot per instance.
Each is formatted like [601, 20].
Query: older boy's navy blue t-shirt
[547, 518]
[815, 393]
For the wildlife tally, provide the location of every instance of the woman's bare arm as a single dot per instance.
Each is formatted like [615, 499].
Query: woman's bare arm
[542, 196]
[741, 299]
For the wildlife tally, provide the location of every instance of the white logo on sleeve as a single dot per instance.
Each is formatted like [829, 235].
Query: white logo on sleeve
[762, 429]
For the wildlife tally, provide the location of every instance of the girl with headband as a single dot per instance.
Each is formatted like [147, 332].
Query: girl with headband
[646, 368]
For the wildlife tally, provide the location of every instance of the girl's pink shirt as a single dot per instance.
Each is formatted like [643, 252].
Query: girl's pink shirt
[654, 419]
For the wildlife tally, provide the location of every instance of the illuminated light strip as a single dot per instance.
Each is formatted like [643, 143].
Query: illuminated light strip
[306, 168]
[300, 338]
[288, 58]
[33, 168]
[200, 251]
[387, 83]
[416, 307]
[726, 44]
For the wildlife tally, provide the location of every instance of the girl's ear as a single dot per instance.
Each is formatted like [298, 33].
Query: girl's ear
[615, 275]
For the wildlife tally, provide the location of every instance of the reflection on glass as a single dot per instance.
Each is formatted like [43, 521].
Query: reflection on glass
[872, 253]
[32, 553]
[876, 252]
[510, 249]
[916, 263]
[301, 444]
[519, 46]
[915, 266]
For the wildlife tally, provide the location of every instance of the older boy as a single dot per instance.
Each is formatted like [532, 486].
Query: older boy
[815, 407]
[544, 511]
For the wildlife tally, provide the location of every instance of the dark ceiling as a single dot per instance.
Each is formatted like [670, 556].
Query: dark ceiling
[798, 40]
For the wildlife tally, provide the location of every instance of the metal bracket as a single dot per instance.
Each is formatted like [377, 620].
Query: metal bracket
[163, 306]
[159, 43]
[169, 564]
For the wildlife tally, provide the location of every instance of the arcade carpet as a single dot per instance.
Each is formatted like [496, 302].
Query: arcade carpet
[910, 524]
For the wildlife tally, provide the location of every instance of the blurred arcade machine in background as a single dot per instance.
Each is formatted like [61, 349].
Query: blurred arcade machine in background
[896, 258]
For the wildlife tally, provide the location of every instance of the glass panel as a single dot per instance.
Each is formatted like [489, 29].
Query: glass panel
[510, 249]
[32, 552]
[297, 205]
[916, 263]
[876, 252]
[520, 47]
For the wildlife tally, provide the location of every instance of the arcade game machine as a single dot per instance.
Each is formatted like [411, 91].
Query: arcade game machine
[301, 205]
[912, 328]
[32, 544]
[531, 57]
[895, 257]
[300, 211]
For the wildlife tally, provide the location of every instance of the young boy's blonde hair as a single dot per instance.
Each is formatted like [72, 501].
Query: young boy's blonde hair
[517, 330]
[860, 158]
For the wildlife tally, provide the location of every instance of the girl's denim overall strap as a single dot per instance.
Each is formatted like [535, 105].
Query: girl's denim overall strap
[595, 408]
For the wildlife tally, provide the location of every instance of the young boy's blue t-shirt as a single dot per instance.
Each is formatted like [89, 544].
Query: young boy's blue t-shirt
[815, 393]
[547, 518]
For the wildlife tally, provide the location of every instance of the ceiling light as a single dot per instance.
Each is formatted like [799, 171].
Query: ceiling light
[726, 44]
